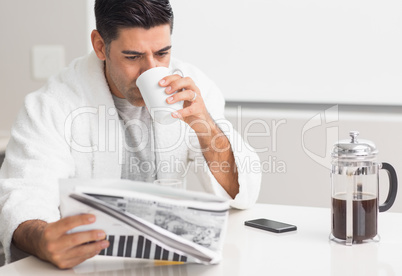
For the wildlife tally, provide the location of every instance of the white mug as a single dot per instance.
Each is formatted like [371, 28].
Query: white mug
[155, 96]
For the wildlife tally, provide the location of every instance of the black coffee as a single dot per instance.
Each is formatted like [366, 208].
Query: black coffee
[364, 218]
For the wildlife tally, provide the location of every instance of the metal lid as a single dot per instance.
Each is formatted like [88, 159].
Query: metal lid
[354, 148]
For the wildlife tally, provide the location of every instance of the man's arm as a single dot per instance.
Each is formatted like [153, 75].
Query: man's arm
[219, 156]
[215, 145]
[50, 241]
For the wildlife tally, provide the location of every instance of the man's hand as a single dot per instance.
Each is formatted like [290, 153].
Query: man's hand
[194, 112]
[50, 241]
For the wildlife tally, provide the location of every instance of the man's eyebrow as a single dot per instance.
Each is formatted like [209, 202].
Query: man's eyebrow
[165, 49]
[129, 52]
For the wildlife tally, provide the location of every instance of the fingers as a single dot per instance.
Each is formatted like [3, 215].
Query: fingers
[60, 227]
[76, 239]
[188, 90]
[193, 107]
[177, 83]
[66, 250]
[186, 95]
[78, 254]
[185, 112]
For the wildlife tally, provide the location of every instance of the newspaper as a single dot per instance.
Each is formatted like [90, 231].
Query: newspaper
[143, 220]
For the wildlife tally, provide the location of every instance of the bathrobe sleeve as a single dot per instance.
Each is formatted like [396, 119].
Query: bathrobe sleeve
[36, 157]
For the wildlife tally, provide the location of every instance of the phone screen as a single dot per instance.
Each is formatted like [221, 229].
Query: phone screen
[270, 225]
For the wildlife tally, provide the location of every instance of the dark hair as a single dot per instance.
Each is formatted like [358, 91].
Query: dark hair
[112, 15]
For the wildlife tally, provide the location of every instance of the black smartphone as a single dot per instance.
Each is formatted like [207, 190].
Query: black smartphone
[271, 225]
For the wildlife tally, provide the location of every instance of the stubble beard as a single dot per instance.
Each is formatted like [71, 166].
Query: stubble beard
[134, 97]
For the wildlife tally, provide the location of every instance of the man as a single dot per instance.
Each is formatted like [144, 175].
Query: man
[70, 129]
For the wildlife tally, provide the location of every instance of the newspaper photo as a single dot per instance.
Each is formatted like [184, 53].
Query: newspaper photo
[143, 220]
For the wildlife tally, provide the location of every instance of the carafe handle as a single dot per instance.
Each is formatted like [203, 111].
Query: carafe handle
[393, 187]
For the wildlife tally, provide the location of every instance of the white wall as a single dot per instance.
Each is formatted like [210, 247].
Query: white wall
[299, 140]
[90, 18]
[304, 51]
[24, 24]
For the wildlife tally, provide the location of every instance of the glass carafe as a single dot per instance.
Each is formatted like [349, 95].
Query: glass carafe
[354, 191]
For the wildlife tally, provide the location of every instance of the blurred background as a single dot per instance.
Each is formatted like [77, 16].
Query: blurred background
[50, 32]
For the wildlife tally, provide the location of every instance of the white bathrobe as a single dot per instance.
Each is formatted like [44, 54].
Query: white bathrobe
[70, 129]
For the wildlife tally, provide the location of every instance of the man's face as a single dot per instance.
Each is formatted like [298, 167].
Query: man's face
[132, 53]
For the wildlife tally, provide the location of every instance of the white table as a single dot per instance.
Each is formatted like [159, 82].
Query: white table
[250, 251]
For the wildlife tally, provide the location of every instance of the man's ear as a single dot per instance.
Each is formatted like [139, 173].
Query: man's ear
[99, 45]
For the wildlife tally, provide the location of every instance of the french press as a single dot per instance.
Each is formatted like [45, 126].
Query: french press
[354, 188]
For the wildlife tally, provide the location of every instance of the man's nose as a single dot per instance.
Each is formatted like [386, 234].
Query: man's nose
[149, 63]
